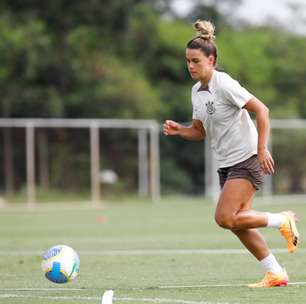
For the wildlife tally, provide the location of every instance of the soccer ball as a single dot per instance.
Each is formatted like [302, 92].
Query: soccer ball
[60, 264]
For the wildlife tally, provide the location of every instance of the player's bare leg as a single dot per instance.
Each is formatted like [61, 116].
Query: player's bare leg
[254, 242]
[234, 212]
[234, 206]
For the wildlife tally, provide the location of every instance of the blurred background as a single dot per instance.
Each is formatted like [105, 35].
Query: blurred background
[125, 59]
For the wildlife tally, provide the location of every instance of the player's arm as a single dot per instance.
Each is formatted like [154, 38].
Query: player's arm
[263, 127]
[193, 132]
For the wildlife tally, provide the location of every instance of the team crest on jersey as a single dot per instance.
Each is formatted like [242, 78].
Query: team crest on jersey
[210, 108]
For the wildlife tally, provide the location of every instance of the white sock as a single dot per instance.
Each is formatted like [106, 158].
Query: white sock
[270, 264]
[275, 219]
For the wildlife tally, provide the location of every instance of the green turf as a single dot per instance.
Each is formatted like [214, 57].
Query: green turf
[133, 248]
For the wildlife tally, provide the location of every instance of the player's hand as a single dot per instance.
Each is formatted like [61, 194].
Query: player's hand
[266, 161]
[171, 127]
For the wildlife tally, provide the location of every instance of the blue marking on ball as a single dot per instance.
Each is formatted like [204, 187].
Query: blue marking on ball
[56, 275]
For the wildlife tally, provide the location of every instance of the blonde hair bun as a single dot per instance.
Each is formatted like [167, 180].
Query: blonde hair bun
[205, 30]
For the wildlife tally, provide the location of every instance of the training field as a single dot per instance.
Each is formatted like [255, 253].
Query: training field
[167, 252]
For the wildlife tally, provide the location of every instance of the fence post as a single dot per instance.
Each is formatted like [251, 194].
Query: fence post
[143, 184]
[30, 159]
[95, 163]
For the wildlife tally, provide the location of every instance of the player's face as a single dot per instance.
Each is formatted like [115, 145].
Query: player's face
[199, 65]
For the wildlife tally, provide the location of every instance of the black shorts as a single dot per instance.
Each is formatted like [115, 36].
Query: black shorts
[248, 169]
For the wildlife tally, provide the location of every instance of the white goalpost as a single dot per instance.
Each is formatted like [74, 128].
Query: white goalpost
[148, 150]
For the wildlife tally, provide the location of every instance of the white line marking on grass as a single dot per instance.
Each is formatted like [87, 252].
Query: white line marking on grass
[121, 239]
[297, 283]
[146, 252]
[43, 289]
[216, 285]
[201, 286]
[164, 252]
[7, 296]
[123, 299]
[161, 300]
[301, 283]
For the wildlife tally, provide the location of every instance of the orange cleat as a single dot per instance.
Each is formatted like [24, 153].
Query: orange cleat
[289, 231]
[272, 280]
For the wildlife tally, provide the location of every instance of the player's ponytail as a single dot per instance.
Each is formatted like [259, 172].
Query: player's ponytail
[205, 39]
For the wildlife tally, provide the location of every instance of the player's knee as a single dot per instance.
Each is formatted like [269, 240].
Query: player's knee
[224, 221]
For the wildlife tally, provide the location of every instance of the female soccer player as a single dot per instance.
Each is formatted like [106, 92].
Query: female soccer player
[221, 109]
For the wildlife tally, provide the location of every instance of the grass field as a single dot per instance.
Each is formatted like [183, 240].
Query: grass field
[168, 252]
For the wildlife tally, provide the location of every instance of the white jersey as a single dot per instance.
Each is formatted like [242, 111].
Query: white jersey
[228, 126]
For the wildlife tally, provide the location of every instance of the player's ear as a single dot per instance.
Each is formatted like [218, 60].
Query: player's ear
[211, 59]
